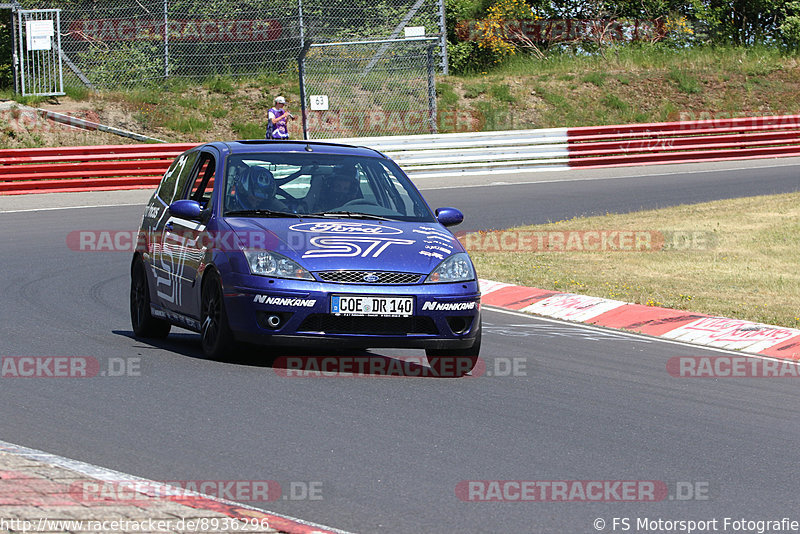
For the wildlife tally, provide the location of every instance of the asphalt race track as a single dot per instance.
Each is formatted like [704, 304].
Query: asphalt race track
[389, 452]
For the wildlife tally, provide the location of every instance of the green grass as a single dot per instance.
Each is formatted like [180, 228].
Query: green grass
[502, 92]
[188, 102]
[218, 112]
[595, 78]
[614, 102]
[646, 57]
[143, 96]
[30, 100]
[686, 82]
[219, 84]
[446, 95]
[77, 92]
[188, 125]
[248, 130]
[474, 90]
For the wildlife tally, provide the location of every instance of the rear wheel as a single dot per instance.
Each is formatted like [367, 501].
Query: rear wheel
[215, 333]
[142, 321]
[455, 362]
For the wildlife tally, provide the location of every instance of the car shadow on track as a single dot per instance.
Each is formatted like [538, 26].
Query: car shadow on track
[306, 362]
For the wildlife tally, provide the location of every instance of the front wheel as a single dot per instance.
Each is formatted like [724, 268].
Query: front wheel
[216, 337]
[142, 321]
[455, 363]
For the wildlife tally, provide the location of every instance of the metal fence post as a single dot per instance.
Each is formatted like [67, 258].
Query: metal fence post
[443, 38]
[301, 71]
[432, 91]
[14, 52]
[166, 39]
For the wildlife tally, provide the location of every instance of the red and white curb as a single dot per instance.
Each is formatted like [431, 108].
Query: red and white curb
[198, 501]
[696, 328]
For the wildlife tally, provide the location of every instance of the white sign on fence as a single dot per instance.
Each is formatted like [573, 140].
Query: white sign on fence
[318, 102]
[39, 34]
[414, 31]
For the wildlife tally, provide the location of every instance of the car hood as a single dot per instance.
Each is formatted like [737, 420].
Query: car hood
[332, 244]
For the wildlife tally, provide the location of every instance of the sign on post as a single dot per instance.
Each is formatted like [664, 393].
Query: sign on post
[318, 102]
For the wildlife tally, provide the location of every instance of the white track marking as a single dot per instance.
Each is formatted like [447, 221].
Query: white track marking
[73, 207]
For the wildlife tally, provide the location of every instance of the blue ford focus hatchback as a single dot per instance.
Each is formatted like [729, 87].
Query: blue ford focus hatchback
[304, 244]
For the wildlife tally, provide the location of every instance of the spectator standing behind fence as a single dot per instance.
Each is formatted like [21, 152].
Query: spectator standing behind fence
[277, 119]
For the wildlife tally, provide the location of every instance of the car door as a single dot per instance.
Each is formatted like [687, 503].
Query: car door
[166, 244]
[186, 238]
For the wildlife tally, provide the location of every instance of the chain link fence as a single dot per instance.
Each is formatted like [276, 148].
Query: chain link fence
[370, 88]
[111, 44]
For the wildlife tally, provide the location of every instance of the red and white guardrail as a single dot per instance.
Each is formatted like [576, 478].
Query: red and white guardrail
[141, 166]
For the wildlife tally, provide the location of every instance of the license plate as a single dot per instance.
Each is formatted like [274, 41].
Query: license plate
[373, 306]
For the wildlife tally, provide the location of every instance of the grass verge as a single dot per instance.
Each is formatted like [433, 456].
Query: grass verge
[734, 258]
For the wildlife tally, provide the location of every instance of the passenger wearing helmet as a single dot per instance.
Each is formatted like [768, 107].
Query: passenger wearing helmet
[254, 189]
[339, 189]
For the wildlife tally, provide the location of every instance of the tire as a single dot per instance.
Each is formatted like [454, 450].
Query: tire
[142, 321]
[216, 336]
[455, 363]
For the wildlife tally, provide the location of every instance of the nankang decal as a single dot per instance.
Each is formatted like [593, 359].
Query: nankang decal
[350, 228]
[351, 247]
[284, 301]
[448, 306]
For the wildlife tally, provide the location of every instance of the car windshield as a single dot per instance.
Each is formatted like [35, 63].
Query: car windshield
[320, 185]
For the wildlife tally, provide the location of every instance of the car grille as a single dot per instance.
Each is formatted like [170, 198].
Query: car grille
[342, 324]
[357, 277]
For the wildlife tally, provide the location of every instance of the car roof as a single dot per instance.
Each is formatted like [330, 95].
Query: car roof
[263, 145]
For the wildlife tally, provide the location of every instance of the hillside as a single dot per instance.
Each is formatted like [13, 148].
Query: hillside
[627, 85]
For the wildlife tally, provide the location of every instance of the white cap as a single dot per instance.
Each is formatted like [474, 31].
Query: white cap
[280, 100]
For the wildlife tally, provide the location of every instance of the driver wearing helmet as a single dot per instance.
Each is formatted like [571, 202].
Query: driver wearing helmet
[339, 189]
[255, 190]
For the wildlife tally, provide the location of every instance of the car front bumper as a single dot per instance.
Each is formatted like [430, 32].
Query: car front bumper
[445, 316]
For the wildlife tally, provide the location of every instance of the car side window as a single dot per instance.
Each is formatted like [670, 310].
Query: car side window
[203, 178]
[174, 181]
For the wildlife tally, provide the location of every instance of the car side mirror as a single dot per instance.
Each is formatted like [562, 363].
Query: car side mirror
[186, 209]
[449, 216]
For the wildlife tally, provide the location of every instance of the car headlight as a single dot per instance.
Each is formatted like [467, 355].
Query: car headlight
[456, 268]
[267, 263]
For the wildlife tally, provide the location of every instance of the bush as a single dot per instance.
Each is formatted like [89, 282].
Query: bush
[6, 72]
[133, 61]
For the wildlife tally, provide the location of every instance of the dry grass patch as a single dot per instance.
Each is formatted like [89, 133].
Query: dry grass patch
[735, 258]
